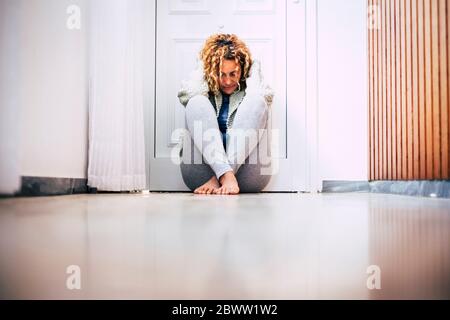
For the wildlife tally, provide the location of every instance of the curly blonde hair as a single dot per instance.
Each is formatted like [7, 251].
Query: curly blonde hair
[219, 47]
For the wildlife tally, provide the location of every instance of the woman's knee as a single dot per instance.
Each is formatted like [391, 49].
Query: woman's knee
[256, 107]
[197, 102]
[257, 101]
[199, 107]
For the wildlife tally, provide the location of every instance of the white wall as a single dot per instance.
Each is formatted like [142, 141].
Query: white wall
[53, 90]
[342, 97]
[9, 102]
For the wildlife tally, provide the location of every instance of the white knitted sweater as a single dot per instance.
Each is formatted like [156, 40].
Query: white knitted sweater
[197, 85]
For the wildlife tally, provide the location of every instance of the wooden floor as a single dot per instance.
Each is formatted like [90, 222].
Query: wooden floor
[267, 246]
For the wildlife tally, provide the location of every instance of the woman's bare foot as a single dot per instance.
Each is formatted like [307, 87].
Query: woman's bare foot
[209, 187]
[229, 184]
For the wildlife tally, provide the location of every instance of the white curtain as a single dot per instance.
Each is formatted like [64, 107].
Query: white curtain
[116, 123]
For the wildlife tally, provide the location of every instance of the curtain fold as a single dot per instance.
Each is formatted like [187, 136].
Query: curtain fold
[116, 121]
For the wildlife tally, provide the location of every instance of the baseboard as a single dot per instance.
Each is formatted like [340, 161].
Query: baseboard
[47, 186]
[336, 186]
[421, 188]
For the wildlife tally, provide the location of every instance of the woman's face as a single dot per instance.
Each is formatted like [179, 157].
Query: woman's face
[229, 77]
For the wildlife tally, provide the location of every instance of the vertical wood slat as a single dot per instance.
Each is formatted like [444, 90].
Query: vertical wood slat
[371, 98]
[448, 84]
[388, 92]
[403, 87]
[436, 114]
[415, 92]
[445, 120]
[382, 114]
[428, 92]
[436, 93]
[409, 95]
[370, 92]
[376, 54]
[409, 112]
[394, 90]
[421, 55]
[398, 107]
[379, 153]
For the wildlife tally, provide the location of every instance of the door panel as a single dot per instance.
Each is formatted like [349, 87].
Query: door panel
[181, 29]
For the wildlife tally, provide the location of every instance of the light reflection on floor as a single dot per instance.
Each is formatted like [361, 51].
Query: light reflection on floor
[267, 246]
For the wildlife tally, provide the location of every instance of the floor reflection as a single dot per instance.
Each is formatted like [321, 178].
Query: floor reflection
[269, 246]
[411, 245]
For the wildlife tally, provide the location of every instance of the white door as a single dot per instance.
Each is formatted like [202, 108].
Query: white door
[181, 29]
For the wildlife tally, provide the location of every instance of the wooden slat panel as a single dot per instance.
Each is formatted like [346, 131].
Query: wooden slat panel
[409, 85]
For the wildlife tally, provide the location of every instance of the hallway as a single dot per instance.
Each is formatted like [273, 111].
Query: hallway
[267, 246]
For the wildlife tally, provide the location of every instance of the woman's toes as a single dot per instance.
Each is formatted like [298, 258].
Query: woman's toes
[199, 191]
[205, 190]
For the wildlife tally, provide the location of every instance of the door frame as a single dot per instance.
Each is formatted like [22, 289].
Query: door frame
[301, 92]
